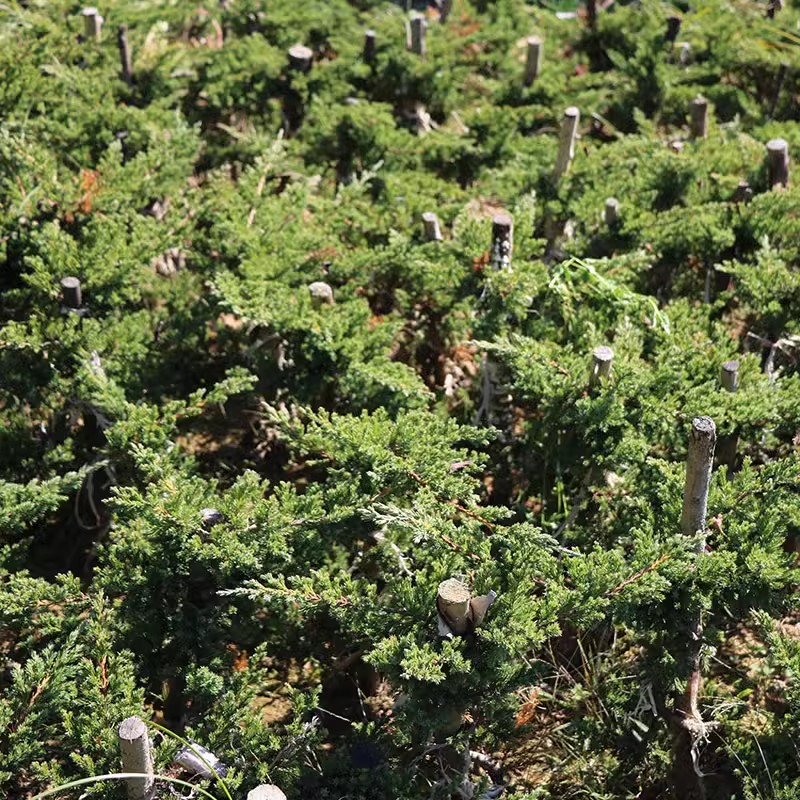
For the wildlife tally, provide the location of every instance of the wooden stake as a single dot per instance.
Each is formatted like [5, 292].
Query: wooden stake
[728, 444]
[689, 725]
[453, 603]
[673, 28]
[702, 439]
[566, 142]
[773, 7]
[602, 360]
[743, 193]
[778, 162]
[698, 117]
[611, 212]
[533, 62]
[92, 23]
[300, 57]
[446, 8]
[729, 376]
[267, 791]
[321, 294]
[431, 225]
[71, 292]
[125, 54]
[419, 27]
[370, 43]
[502, 242]
[134, 745]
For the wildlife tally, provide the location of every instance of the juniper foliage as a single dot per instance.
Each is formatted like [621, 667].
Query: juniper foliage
[227, 507]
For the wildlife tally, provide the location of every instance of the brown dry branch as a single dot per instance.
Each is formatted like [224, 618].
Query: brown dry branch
[640, 574]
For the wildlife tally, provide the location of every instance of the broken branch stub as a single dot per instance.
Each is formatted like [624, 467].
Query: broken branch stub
[431, 227]
[778, 162]
[533, 62]
[134, 745]
[699, 462]
[502, 242]
[568, 134]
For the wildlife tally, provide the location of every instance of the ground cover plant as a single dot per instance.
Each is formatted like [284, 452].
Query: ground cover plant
[400, 400]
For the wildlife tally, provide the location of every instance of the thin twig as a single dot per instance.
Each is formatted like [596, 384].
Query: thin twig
[635, 577]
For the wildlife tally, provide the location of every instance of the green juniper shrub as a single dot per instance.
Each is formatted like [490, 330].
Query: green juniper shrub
[227, 506]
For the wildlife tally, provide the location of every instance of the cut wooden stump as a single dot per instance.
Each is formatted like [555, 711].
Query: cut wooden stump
[602, 361]
[566, 142]
[673, 28]
[778, 162]
[431, 227]
[459, 612]
[126, 68]
[533, 61]
[728, 444]
[134, 745]
[92, 23]
[321, 294]
[71, 293]
[419, 28]
[702, 439]
[698, 117]
[370, 46]
[729, 376]
[743, 193]
[453, 603]
[773, 7]
[611, 212]
[300, 57]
